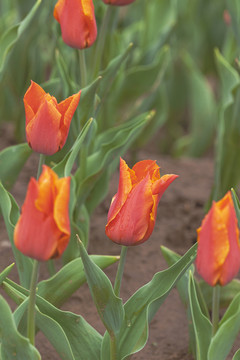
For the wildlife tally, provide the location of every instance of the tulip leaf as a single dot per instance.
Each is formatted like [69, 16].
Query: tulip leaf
[228, 145]
[236, 205]
[234, 9]
[108, 75]
[87, 102]
[69, 278]
[12, 160]
[236, 355]
[10, 36]
[227, 332]
[228, 292]
[108, 147]
[109, 306]
[142, 306]
[84, 340]
[64, 167]
[10, 213]
[13, 344]
[201, 324]
[140, 79]
[202, 109]
[5, 273]
[72, 337]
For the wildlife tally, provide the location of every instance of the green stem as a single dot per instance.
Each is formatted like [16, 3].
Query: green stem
[120, 269]
[40, 164]
[101, 41]
[83, 68]
[215, 308]
[113, 347]
[51, 267]
[31, 303]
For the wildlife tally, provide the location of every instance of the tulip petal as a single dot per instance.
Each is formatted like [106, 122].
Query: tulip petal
[27, 232]
[43, 229]
[213, 246]
[232, 263]
[34, 96]
[126, 178]
[131, 223]
[67, 109]
[43, 130]
[161, 185]
[142, 168]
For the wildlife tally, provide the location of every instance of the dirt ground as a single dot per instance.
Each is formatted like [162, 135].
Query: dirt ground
[180, 212]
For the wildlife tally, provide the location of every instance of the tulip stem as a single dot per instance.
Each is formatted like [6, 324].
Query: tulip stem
[31, 303]
[215, 308]
[101, 41]
[40, 164]
[113, 347]
[83, 68]
[120, 269]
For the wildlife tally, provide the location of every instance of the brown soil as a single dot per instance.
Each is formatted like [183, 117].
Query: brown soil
[180, 212]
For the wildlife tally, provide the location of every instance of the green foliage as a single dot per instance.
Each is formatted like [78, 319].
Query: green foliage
[13, 344]
[12, 159]
[142, 306]
[12, 35]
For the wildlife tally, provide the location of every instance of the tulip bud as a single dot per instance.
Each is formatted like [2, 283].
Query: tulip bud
[77, 21]
[133, 211]
[43, 229]
[47, 122]
[218, 255]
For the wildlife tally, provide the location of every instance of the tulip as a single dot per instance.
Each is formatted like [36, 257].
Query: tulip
[118, 2]
[43, 229]
[77, 21]
[47, 122]
[132, 214]
[218, 255]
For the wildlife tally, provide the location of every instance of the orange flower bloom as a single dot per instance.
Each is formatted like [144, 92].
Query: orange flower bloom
[77, 21]
[218, 255]
[43, 229]
[118, 2]
[132, 214]
[47, 122]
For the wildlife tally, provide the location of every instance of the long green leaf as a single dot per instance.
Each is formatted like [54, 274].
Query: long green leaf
[12, 160]
[13, 344]
[141, 307]
[11, 36]
[64, 167]
[109, 146]
[72, 337]
[69, 278]
[227, 332]
[109, 306]
[201, 324]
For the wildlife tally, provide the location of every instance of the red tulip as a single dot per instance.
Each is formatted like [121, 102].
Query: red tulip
[77, 21]
[218, 255]
[132, 214]
[118, 2]
[43, 229]
[47, 122]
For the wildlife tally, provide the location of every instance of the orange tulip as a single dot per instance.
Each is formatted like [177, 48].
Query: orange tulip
[218, 255]
[43, 229]
[47, 122]
[77, 21]
[132, 214]
[118, 2]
